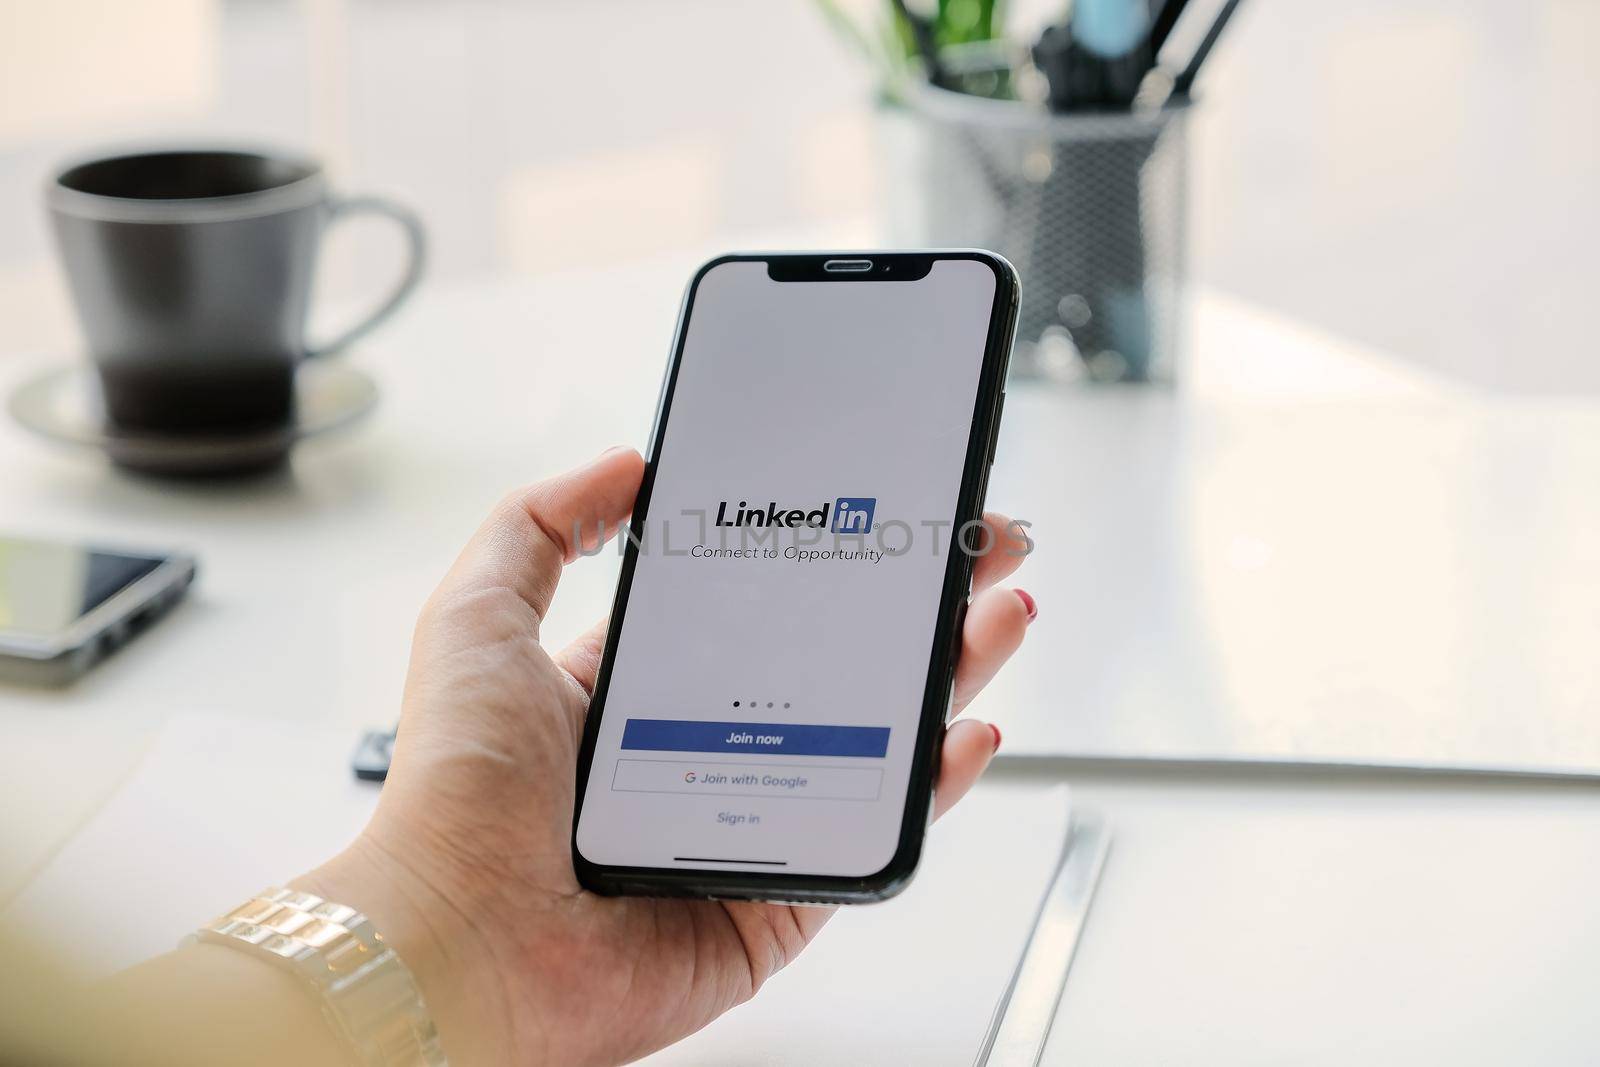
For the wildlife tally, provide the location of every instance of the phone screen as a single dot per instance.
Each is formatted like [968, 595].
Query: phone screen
[769, 674]
[44, 588]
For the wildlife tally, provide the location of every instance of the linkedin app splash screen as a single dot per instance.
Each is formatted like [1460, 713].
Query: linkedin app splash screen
[770, 671]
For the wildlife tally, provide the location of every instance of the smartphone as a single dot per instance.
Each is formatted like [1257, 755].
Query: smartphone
[767, 715]
[63, 607]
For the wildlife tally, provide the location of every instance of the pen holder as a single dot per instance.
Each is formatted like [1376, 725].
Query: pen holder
[1089, 208]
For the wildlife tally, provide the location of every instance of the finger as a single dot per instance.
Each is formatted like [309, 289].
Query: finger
[1000, 550]
[581, 658]
[534, 531]
[969, 745]
[996, 623]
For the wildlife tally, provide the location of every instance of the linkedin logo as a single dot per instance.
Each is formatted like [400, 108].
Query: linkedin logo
[853, 514]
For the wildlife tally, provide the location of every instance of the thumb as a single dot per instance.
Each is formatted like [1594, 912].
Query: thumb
[533, 532]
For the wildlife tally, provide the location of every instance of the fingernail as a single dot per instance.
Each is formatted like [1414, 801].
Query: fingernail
[1027, 602]
[613, 450]
[996, 731]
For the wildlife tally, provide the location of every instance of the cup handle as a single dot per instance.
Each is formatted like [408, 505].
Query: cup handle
[416, 255]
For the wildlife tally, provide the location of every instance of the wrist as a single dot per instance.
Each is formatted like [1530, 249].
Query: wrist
[203, 1004]
[449, 959]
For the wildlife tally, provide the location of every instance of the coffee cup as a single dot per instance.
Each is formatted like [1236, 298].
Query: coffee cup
[191, 274]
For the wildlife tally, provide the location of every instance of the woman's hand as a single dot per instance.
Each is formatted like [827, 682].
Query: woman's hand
[466, 866]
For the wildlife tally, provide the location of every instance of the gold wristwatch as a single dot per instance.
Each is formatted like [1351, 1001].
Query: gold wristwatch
[367, 993]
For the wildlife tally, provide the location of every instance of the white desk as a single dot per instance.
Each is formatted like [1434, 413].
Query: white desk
[1245, 916]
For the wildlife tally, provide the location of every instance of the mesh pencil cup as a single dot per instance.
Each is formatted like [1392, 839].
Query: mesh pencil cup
[1090, 209]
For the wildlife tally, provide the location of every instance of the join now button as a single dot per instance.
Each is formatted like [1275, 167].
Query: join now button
[773, 738]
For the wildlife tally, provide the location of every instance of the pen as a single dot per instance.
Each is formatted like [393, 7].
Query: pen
[922, 36]
[1161, 26]
[1114, 37]
[1181, 84]
[1098, 58]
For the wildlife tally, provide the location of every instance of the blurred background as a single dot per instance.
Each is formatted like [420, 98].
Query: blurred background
[1417, 175]
[1318, 615]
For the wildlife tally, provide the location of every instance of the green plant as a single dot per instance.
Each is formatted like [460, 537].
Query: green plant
[890, 43]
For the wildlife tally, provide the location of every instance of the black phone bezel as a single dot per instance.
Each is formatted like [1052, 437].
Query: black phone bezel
[888, 268]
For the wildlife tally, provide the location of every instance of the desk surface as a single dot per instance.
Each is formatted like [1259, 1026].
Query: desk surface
[1236, 904]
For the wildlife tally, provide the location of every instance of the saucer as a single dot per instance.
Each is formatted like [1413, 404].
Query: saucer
[63, 405]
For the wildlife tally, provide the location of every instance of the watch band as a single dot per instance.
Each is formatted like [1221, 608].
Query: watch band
[367, 993]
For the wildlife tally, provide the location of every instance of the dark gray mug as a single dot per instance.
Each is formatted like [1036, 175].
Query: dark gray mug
[191, 273]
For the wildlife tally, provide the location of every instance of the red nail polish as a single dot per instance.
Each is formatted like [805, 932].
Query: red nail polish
[996, 731]
[1027, 602]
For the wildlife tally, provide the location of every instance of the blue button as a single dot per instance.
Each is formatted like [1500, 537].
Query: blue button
[782, 739]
